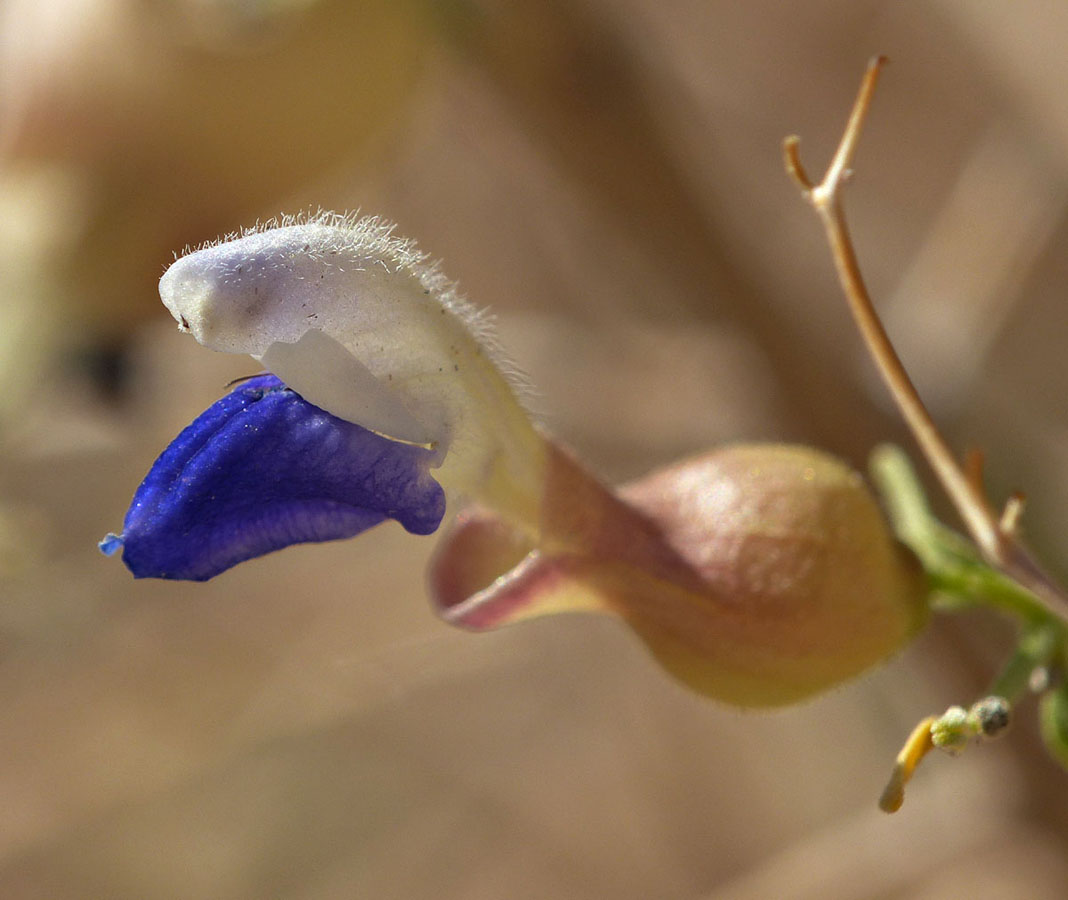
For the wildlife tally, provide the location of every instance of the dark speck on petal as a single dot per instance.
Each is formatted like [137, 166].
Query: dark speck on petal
[262, 469]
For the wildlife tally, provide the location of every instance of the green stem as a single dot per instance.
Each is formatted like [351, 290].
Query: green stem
[956, 571]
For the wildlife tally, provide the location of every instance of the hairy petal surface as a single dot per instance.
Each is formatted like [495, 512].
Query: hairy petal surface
[358, 322]
[262, 469]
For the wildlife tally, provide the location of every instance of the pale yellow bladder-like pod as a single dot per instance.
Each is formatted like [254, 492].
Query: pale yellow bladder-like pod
[757, 574]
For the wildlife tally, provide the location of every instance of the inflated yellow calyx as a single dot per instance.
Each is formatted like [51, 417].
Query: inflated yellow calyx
[758, 575]
[808, 585]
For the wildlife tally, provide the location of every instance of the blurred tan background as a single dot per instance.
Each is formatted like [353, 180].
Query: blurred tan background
[605, 174]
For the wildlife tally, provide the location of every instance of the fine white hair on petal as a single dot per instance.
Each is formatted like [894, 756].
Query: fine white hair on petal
[359, 321]
[374, 236]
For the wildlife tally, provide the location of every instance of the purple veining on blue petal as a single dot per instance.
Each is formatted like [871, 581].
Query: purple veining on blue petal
[261, 469]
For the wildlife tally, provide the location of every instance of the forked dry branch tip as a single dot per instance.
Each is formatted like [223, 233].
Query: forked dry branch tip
[996, 536]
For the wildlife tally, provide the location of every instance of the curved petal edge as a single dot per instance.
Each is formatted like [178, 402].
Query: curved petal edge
[261, 469]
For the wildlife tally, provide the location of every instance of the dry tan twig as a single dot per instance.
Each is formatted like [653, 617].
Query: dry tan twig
[995, 534]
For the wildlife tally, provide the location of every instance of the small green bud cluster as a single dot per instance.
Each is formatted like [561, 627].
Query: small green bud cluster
[957, 727]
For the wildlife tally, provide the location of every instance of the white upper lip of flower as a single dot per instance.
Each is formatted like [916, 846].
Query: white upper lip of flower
[360, 333]
[359, 324]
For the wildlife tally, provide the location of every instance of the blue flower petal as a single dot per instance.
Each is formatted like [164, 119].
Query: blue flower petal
[262, 469]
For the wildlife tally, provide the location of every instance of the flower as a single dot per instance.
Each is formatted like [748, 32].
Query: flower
[358, 323]
[756, 574]
[379, 372]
